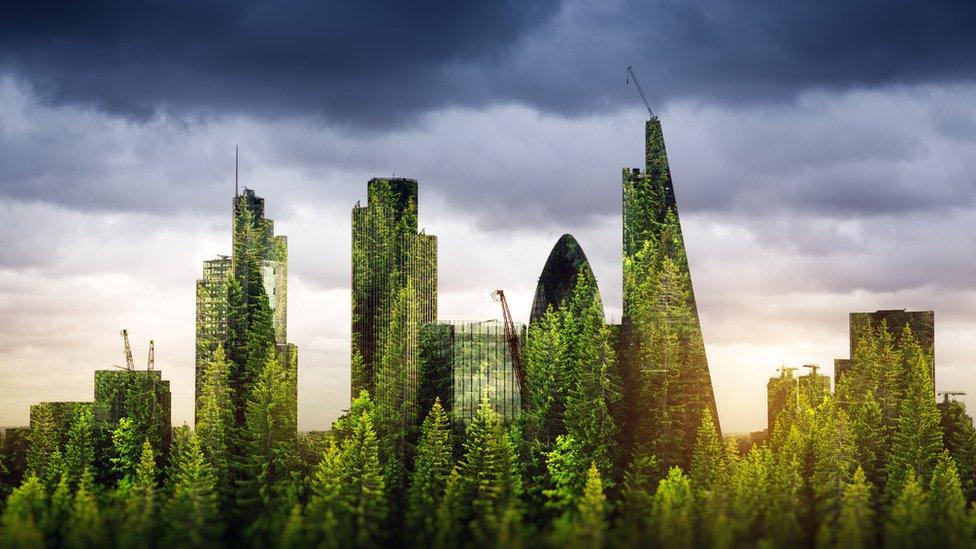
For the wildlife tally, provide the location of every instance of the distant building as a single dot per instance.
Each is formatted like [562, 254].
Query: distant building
[462, 361]
[565, 264]
[138, 393]
[815, 387]
[211, 295]
[62, 414]
[779, 391]
[389, 254]
[922, 324]
[15, 442]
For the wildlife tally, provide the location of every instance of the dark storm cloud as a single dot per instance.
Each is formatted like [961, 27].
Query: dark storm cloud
[377, 64]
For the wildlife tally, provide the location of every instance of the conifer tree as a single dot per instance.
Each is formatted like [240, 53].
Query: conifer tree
[330, 506]
[948, 504]
[85, 527]
[271, 450]
[908, 523]
[917, 442]
[855, 522]
[25, 514]
[293, 534]
[127, 448]
[589, 523]
[672, 511]
[59, 510]
[42, 440]
[960, 440]
[869, 438]
[706, 461]
[594, 390]
[567, 476]
[834, 463]
[215, 422]
[432, 468]
[79, 451]
[191, 515]
[361, 457]
[487, 487]
[138, 500]
[636, 497]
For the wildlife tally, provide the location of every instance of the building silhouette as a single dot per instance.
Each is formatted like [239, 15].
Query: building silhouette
[921, 323]
[652, 241]
[211, 289]
[565, 264]
[391, 260]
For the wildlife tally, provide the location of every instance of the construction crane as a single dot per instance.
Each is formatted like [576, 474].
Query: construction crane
[127, 350]
[813, 368]
[786, 371]
[151, 363]
[514, 345]
[631, 75]
[946, 394]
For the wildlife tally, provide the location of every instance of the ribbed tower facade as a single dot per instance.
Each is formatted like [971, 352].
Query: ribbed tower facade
[665, 371]
[212, 303]
[394, 284]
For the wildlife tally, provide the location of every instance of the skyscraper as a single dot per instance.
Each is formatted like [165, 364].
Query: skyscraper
[212, 303]
[658, 294]
[562, 270]
[391, 260]
[921, 323]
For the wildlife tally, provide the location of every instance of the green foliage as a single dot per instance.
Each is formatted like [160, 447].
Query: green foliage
[908, 524]
[855, 522]
[128, 448]
[191, 515]
[42, 440]
[215, 418]
[673, 511]
[432, 468]
[948, 504]
[80, 446]
[24, 514]
[589, 522]
[138, 500]
[85, 527]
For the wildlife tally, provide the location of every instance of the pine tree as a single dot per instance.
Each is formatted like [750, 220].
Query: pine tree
[594, 391]
[330, 507]
[855, 522]
[948, 504]
[138, 499]
[908, 524]
[672, 511]
[293, 534]
[58, 512]
[589, 523]
[431, 471]
[917, 442]
[960, 440]
[487, 486]
[834, 463]
[567, 476]
[361, 457]
[85, 527]
[706, 461]
[215, 421]
[869, 438]
[79, 448]
[42, 440]
[24, 514]
[636, 497]
[128, 448]
[191, 515]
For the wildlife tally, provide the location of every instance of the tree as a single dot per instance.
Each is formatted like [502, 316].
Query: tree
[636, 497]
[432, 469]
[487, 487]
[855, 522]
[948, 504]
[361, 457]
[834, 463]
[960, 440]
[191, 515]
[672, 511]
[594, 389]
[128, 448]
[589, 523]
[21, 523]
[85, 527]
[908, 523]
[271, 451]
[567, 476]
[917, 443]
[215, 421]
[138, 500]
[42, 440]
[329, 511]
[706, 460]
[80, 448]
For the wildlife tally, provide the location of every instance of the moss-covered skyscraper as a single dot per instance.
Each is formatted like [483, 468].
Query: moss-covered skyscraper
[663, 353]
[394, 276]
[212, 312]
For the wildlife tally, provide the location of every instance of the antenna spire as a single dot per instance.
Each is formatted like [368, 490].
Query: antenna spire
[236, 156]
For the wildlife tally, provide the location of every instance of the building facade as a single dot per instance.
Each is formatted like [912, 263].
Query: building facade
[563, 268]
[211, 290]
[462, 362]
[657, 285]
[391, 260]
[921, 323]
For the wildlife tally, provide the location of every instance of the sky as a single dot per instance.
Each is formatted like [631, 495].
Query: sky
[823, 157]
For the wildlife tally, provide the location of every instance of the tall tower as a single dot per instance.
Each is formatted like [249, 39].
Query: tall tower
[559, 276]
[389, 254]
[669, 385]
[212, 306]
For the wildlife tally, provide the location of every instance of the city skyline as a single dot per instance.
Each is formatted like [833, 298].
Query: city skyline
[805, 194]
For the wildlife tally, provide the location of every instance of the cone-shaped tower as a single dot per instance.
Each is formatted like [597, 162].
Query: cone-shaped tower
[558, 280]
[664, 365]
